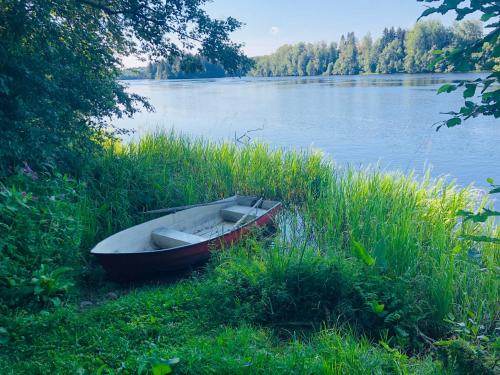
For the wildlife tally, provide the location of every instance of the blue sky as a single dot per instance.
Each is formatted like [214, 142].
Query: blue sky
[272, 23]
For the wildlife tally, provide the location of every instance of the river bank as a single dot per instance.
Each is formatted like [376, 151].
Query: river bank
[379, 272]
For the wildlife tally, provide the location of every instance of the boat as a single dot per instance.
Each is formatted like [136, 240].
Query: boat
[182, 239]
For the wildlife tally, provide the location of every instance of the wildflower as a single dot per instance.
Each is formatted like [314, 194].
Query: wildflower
[29, 172]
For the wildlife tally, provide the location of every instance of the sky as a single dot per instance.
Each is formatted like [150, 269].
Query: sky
[272, 23]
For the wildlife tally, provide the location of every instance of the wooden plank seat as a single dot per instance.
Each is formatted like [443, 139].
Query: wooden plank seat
[235, 213]
[166, 238]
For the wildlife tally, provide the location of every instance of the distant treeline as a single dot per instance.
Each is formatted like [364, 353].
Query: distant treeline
[186, 67]
[396, 51]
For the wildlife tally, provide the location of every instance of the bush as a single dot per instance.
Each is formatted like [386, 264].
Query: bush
[291, 288]
[40, 232]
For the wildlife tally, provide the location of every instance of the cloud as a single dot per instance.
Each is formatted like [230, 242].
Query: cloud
[275, 30]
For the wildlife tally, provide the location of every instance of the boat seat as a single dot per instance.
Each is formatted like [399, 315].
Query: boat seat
[166, 238]
[235, 213]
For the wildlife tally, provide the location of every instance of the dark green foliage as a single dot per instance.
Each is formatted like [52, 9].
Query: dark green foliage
[296, 288]
[40, 232]
[59, 61]
[470, 349]
[469, 51]
[481, 96]
[160, 325]
[185, 67]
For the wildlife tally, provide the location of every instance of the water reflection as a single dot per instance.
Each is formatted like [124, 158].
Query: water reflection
[359, 121]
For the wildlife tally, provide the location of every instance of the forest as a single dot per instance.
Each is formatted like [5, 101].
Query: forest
[396, 51]
[186, 67]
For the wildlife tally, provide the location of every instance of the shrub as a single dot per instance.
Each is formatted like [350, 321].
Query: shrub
[39, 233]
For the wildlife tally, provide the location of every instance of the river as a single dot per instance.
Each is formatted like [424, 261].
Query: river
[384, 120]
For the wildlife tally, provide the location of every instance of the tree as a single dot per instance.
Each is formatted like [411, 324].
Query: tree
[391, 58]
[296, 60]
[329, 69]
[397, 50]
[189, 66]
[366, 54]
[347, 63]
[312, 68]
[466, 33]
[421, 43]
[59, 60]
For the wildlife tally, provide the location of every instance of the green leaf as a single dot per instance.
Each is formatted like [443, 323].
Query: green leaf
[101, 369]
[485, 17]
[377, 307]
[427, 12]
[4, 336]
[448, 87]
[490, 181]
[161, 368]
[495, 190]
[361, 253]
[444, 342]
[453, 122]
[59, 271]
[470, 90]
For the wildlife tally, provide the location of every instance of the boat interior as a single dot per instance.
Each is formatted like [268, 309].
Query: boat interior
[187, 227]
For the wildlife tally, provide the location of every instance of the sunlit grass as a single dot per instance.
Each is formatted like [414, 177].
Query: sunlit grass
[416, 274]
[410, 227]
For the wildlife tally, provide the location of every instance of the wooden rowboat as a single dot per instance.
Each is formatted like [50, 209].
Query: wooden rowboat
[182, 239]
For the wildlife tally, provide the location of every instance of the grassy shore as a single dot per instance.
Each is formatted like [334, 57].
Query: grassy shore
[369, 271]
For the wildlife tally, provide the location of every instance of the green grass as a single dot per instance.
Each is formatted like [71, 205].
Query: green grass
[153, 323]
[366, 269]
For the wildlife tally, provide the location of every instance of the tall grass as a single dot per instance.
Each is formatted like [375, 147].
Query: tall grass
[409, 227]
[381, 252]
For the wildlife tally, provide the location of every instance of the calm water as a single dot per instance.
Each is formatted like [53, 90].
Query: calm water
[364, 120]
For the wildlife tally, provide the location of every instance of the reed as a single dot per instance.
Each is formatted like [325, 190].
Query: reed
[381, 252]
[409, 227]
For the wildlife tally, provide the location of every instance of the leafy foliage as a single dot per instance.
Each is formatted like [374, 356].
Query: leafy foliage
[185, 67]
[396, 51]
[155, 328]
[347, 63]
[422, 42]
[40, 237]
[470, 348]
[481, 96]
[299, 60]
[59, 62]
[485, 50]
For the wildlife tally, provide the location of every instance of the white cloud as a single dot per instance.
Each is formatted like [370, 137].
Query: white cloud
[275, 30]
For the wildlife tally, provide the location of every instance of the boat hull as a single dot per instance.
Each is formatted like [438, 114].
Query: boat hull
[128, 266]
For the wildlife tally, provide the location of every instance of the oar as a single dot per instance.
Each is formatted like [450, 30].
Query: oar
[181, 208]
[248, 213]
